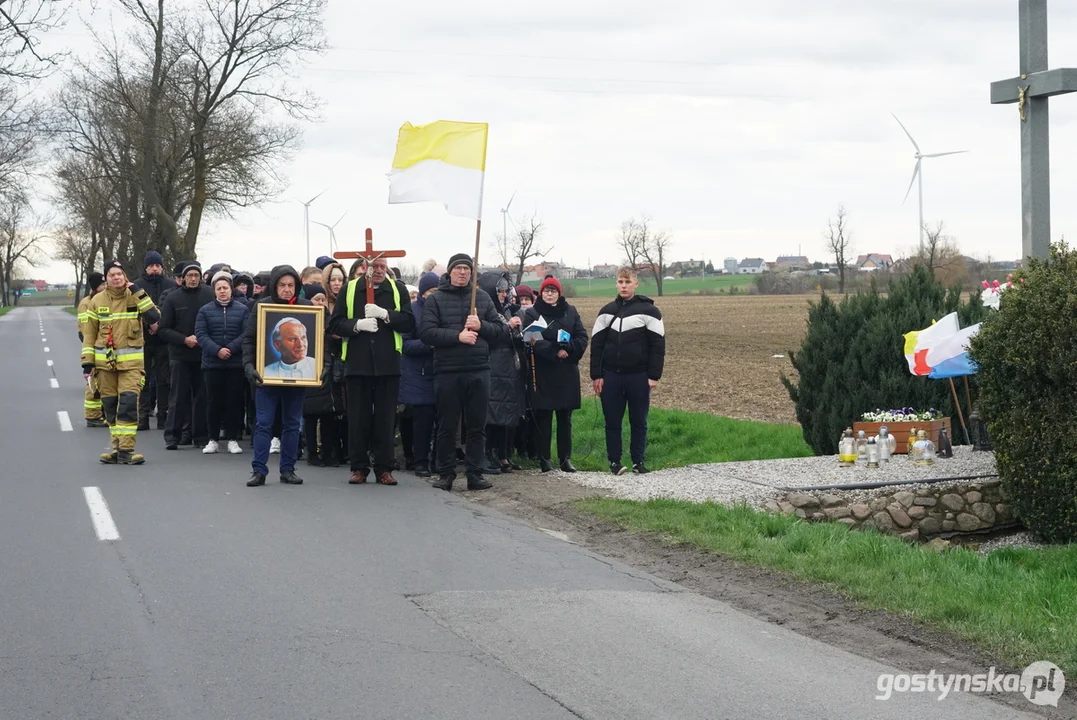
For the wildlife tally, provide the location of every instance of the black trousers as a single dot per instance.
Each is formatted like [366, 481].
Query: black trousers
[329, 448]
[497, 441]
[372, 421]
[422, 429]
[224, 399]
[544, 430]
[407, 432]
[158, 381]
[466, 396]
[187, 402]
[525, 436]
[633, 390]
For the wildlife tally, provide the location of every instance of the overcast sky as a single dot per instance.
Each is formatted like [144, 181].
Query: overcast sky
[737, 126]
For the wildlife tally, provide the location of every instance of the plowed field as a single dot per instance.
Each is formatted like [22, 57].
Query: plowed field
[720, 353]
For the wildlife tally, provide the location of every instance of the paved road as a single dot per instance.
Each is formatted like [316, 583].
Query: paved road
[331, 601]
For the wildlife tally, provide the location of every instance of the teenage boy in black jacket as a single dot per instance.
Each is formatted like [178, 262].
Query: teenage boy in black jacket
[628, 349]
[187, 399]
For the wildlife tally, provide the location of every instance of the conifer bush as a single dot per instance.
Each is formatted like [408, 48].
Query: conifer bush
[852, 359]
[1027, 352]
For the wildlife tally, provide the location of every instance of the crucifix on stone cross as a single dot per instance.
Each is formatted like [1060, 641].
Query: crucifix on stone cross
[369, 255]
[1031, 90]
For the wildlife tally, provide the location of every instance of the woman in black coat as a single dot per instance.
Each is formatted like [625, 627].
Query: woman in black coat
[506, 382]
[554, 384]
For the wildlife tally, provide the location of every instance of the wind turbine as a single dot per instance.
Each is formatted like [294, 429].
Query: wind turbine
[504, 221]
[332, 231]
[917, 173]
[306, 219]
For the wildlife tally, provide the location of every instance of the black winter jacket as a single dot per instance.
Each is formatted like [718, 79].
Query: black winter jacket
[628, 337]
[179, 309]
[555, 383]
[250, 335]
[506, 380]
[416, 365]
[154, 285]
[372, 354]
[221, 326]
[444, 317]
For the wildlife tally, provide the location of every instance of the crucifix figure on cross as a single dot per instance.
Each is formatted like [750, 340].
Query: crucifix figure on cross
[1031, 90]
[369, 255]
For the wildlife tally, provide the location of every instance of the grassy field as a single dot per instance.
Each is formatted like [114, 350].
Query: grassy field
[676, 438]
[1016, 603]
[607, 287]
[49, 297]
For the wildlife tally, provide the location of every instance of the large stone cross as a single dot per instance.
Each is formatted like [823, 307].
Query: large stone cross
[1030, 90]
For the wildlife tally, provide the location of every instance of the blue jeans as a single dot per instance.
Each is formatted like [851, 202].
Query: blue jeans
[266, 400]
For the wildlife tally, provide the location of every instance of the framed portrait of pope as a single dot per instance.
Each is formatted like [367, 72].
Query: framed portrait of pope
[290, 344]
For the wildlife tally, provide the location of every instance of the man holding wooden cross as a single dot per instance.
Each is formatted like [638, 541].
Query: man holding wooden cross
[371, 342]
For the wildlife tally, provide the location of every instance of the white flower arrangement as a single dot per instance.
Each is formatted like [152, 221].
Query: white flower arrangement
[901, 415]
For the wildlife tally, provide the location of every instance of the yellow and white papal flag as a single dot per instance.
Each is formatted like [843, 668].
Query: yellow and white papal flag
[444, 161]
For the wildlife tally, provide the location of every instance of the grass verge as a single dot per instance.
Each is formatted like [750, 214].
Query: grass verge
[1016, 603]
[71, 310]
[6, 309]
[676, 438]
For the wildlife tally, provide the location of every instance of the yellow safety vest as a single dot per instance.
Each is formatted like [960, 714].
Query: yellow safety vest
[397, 337]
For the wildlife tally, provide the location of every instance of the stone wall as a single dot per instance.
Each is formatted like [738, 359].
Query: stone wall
[914, 513]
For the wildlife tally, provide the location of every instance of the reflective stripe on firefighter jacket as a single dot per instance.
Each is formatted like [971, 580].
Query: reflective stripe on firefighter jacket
[112, 330]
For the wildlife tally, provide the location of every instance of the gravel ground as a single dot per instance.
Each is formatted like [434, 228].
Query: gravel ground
[758, 481]
[1022, 539]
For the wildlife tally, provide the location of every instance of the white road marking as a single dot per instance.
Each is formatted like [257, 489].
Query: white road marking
[102, 518]
[42, 338]
[54, 382]
[65, 421]
[46, 349]
[49, 363]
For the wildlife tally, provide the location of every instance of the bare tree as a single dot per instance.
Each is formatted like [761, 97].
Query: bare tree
[641, 244]
[839, 241]
[526, 244]
[77, 246]
[940, 254]
[21, 237]
[22, 22]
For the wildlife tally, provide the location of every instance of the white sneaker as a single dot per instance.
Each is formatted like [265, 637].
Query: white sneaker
[274, 446]
[211, 447]
[234, 448]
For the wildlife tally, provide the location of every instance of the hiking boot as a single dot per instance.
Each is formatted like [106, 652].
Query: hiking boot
[444, 482]
[422, 471]
[96, 424]
[617, 468]
[386, 478]
[126, 457]
[567, 466]
[257, 480]
[478, 482]
[288, 477]
[211, 448]
[639, 468]
[110, 458]
[545, 466]
[358, 477]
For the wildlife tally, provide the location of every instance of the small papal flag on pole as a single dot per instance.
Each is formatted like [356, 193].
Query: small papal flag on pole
[443, 161]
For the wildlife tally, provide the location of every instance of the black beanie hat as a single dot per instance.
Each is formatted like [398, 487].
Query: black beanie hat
[113, 264]
[312, 289]
[94, 280]
[459, 259]
[152, 258]
[177, 269]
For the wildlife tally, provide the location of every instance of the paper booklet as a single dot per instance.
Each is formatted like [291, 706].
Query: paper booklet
[533, 331]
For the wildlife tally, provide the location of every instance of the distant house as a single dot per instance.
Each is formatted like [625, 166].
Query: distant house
[731, 264]
[792, 262]
[873, 262]
[686, 268]
[604, 271]
[752, 266]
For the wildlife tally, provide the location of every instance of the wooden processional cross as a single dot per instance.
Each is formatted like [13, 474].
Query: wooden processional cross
[1031, 90]
[369, 255]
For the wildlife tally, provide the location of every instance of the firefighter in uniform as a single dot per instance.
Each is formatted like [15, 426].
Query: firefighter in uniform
[92, 405]
[112, 358]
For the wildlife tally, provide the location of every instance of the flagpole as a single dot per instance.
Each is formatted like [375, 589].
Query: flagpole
[478, 224]
[957, 406]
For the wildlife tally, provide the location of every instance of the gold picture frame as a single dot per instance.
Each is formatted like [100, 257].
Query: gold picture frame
[280, 340]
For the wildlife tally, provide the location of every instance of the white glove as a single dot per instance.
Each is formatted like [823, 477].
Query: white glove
[376, 311]
[366, 325]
